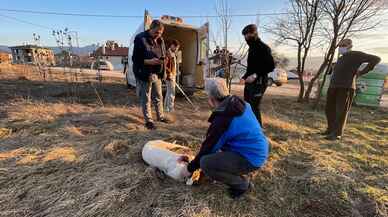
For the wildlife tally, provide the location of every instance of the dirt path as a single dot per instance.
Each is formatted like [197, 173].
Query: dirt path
[291, 89]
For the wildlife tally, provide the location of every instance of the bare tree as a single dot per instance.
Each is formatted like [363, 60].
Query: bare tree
[223, 11]
[239, 55]
[39, 63]
[280, 60]
[64, 41]
[298, 29]
[342, 19]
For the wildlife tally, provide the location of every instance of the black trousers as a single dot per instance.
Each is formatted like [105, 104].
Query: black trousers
[228, 168]
[253, 94]
[338, 104]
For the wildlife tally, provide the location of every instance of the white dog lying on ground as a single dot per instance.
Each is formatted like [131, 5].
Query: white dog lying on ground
[164, 156]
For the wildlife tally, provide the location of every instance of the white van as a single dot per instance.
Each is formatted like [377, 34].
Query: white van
[278, 77]
[194, 50]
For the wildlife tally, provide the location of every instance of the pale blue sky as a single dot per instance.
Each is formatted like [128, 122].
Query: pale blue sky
[94, 29]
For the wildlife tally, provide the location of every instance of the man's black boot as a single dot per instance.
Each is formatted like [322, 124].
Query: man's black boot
[150, 126]
[333, 137]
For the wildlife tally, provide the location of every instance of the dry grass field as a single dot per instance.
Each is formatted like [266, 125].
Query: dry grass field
[67, 151]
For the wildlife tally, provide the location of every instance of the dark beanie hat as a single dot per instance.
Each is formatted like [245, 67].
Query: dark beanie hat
[249, 29]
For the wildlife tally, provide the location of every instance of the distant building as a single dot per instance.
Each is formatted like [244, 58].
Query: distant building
[65, 58]
[85, 61]
[5, 57]
[32, 54]
[112, 53]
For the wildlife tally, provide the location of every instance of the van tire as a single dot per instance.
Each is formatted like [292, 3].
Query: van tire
[270, 82]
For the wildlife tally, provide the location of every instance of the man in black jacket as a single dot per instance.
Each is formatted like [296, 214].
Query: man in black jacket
[342, 87]
[260, 63]
[148, 66]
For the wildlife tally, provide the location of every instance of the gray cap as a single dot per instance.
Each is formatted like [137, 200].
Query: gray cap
[216, 88]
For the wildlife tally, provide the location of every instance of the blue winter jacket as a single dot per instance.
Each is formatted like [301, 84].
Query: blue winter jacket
[234, 128]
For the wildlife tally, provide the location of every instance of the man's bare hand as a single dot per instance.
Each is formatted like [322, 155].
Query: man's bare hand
[250, 79]
[242, 81]
[183, 159]
[185, 173]
[153, 62]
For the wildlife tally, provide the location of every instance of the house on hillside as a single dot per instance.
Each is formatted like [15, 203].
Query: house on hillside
[85, 61]
[66, 58]
[113, 53]
[5, 57]
[32, 54]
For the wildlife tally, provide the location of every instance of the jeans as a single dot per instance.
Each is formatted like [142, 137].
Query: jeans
[146, 91]
[170, 95]
[228, 168]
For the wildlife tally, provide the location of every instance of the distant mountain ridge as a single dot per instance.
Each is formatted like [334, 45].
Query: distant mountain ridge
[5, 48]
[312, 63]
[79, 51]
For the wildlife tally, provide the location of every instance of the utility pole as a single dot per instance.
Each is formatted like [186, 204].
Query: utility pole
[38, 57]
[98, 62]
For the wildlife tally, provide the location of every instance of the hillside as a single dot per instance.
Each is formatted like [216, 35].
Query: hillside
[80, 51]
[5, 48]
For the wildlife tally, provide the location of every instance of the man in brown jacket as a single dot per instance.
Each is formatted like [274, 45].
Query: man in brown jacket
[171, 71]
[343, 86]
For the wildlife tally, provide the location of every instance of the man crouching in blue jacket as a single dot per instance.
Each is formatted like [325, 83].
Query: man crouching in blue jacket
[235, 144]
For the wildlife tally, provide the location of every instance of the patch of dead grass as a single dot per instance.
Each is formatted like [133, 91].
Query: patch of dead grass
[33, 156]
[33, 112]
[67, 154]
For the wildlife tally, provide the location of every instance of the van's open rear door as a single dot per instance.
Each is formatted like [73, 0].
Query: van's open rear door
[147, 20]
[129, 75]
[203, 45]
[203, 55]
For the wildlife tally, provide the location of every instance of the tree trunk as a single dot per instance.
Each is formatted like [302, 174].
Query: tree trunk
[300, 75]
[326, 62]
[320, 86]
[312, 81]
[230, 77]
[301, 90]
[301, 81]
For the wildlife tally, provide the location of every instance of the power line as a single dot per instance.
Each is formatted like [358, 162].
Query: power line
[194, 16]
[133, 16]
[25, 22]
[235, 15]
[68, 14]
[141, 16]
[121, 16]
